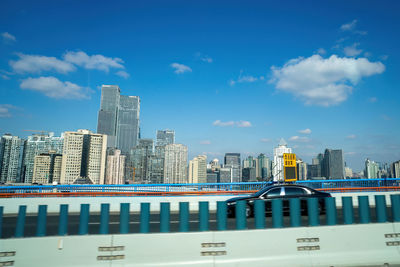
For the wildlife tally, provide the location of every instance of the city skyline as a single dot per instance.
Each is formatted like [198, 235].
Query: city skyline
[222, 81]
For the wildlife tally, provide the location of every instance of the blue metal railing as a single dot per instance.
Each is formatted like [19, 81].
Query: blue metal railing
[383, 215]
[200, 187]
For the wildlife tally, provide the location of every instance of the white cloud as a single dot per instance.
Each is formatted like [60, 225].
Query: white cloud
[54, 88]
[352, 51]
[4, 77]
[123, 74]
[321, 51]
[8, 37]
[352, 136]
[98, 62]
[205, 142]
[206, 59]
[349, 26]
[180, 68]
[386, 117]
[265, 140]
[245, 79]
[243, 124]
[240, 124]
[350, 153]
[323, 81]
[299, 139]
[305, 131]
[384, 57]
[37, 64]
[373, 99]
[5, 110]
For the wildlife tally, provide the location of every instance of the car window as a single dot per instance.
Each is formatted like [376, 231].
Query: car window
[274, 192]
[294, 191]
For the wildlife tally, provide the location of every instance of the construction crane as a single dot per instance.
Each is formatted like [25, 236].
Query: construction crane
[133, 173]
[37, 131]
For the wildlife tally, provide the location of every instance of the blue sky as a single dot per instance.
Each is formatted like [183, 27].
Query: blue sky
[227, 76]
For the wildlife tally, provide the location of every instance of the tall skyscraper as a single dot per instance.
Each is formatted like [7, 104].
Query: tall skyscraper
[11, 148]
[277, 167]
[175, 164]
[165, 137]
[47, 168]
[371, 169]
[35, 145]
[263, 171]
[115, 167]
[232, 160]
[395, 169]
[301, 170]
[119, 118]
[333, 164]
[198, 169]
[141, 158]
[84, 157]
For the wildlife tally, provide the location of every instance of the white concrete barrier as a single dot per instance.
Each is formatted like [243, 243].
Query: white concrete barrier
[11, 205]
[344, 245]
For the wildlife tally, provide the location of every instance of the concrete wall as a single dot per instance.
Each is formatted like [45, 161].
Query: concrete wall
[344, 245]
[11, 204]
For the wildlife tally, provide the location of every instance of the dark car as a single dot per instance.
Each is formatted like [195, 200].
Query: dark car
[284, 192]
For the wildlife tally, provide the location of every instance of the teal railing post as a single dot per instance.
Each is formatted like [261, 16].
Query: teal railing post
[313, 211]
[395, 201]
[347, 207]
[19, 228]
[277, 213]
[295, 214]
[164, 217]
[145, 217]
[63, 220]
[241, 220]
[84, 220]
[259, 214]
[41, 221]
[124, 218]
[1, 219]
[331, 212]
[203, 216]
[221, 215]
[380, 206]
[363, 209]
[183, 216]
[104, 218]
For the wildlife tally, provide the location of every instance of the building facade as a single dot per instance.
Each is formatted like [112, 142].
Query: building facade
[175, 163]
[371, 169]
[84, 157]
[277, 165]
[165, 137]
[198, 169]
[232, 161]
[333, 164]
[115, 168]
[11, 148]
[47, 168]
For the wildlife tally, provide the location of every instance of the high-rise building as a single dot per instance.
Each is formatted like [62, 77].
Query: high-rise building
[115, 169]
[35, 145]
[108, 113]
[84, 157]
[395, 169]
[128, 123]
[10, 158]
[371, 169]
[119, 118]
[140, 159]
[165, 137]
[348, 172]
[47, 168]
[175, 163]
[333, 164]
[198, 169]
[277, 167]
[249, 174]
[313, 171]
[263, 171]
[301, 170]
[225, 175]
[232, 160]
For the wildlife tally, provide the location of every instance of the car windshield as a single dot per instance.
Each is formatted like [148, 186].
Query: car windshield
[262, 191]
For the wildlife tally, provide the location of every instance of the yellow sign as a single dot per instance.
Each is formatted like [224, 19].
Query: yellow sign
[289, 160]
[289, 167]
